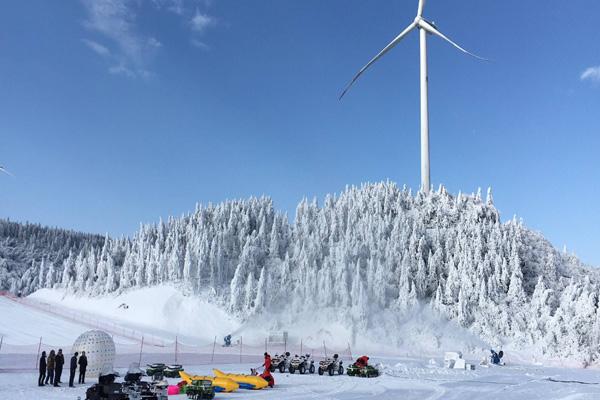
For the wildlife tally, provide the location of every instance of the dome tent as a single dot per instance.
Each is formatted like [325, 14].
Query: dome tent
[99, 348]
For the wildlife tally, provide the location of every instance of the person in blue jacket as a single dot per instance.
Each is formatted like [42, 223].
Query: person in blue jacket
[496, 358]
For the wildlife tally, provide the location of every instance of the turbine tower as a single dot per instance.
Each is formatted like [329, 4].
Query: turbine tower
[424, 27]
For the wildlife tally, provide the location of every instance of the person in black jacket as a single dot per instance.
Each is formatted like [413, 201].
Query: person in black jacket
[73, 369]
[82, 367]
[42, 369]
[60, 361]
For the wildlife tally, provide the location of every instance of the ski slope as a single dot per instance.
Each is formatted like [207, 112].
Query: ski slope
[23, 326]
[402, 379]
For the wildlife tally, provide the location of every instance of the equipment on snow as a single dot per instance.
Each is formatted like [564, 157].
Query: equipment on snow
[331, 365]
[133, 388]
[280, 362]
[496, 358]
[220, 384]
[200, 389]
[302, 364]
[172, 371]
[153, 369]
[245, 381]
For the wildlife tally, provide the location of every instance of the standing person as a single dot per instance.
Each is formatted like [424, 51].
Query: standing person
[42, 369]
[82, 367]
[73, 369]
[50, 364]
[266, 375]
[60, 361]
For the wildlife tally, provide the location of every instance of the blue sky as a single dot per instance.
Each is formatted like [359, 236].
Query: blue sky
[119, 112]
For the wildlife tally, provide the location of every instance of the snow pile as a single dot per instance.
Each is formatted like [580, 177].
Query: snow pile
[366, 259]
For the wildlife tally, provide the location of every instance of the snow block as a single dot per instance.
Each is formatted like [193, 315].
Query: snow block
[460, 364]
[450, 358]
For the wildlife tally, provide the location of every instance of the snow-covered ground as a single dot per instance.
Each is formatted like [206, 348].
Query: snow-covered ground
[402, 379]
[164, 312]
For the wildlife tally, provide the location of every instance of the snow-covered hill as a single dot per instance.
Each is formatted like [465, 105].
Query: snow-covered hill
[367, 260]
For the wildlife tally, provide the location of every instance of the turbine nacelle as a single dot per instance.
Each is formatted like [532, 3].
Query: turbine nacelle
[420, 23]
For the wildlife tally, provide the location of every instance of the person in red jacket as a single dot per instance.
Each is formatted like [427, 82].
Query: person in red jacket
[362, 362]
[266, 375]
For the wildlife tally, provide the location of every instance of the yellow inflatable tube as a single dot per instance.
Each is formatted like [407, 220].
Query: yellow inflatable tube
[245, 381]
[219, 383]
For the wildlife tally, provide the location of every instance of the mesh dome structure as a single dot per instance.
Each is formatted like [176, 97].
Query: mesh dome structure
[99, 348]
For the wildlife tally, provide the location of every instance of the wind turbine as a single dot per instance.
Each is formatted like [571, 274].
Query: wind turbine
[424, 27]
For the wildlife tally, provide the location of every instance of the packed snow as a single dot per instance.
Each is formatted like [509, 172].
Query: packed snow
[417, 379]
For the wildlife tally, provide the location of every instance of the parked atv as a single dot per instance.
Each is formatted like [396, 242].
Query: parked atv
[302, 364]
[200, 389]
[280, 362]
[364, 372]
[153, 369]
[172, 371]
[331, 365]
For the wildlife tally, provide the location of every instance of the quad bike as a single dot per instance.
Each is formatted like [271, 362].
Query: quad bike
[153, 369]
[302, 364]
[364, 372]
[200, 389]
[331, 365]
[172, 371]
[280, 362]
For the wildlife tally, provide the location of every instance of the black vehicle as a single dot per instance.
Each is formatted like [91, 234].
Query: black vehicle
[302, 364]
[153, 369]
[106, 389]
[331, 366]
[280, 362]
[364, 372]
[200, 389]
[172, 371]
[132, 388]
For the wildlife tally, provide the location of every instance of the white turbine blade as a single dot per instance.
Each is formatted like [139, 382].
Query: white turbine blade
[421, 6]
[2, 169]
[431, 29]
[378, 56]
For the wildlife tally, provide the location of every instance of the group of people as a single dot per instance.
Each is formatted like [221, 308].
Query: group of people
[51, 368]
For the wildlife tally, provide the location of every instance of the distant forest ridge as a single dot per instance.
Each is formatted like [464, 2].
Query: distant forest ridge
[373, 247]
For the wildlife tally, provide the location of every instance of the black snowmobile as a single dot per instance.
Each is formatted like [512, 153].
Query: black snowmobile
[331, 365]
[106, 389]
[132, 388]
[153, 369]
[172, 371]
[302, 364]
